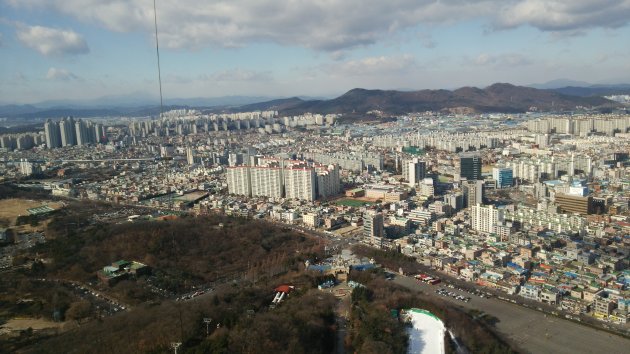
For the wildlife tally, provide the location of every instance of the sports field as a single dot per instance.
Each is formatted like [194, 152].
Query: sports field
[352, 202]
[10, 209]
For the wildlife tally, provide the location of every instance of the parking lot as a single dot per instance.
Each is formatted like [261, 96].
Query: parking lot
[529, 330]
[444, 292]
[102, 305]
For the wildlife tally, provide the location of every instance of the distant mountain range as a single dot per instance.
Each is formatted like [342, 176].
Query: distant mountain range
[583, 89]
[560, 83]
[495, 98]
[595, 90]
[500, 97]
[136, 103]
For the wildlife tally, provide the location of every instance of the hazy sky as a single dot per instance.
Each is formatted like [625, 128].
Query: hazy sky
[76, 49]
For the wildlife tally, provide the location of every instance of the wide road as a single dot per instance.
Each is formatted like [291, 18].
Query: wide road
[529, 330]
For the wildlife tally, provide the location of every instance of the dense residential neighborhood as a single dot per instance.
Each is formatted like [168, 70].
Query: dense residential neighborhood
[532, 205]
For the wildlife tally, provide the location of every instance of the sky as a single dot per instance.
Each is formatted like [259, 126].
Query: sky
[85, 49]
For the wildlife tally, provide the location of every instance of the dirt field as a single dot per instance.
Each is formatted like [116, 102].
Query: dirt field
[10, 209]
[15, 325]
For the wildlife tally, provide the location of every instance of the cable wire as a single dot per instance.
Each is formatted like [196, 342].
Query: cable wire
[157, 50]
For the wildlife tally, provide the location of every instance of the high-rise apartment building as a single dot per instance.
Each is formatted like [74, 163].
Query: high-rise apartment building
[415, 171]
[83, 133]
[190, 156]
[328, 181]
[485, 218]
[427, 187]
[68, 133]
[239, 181]
[267, 182]
[99, 133]
[296, 180]
[28, 168]
[473, 192]
[299, 183]
[53, 135]
[372, 225]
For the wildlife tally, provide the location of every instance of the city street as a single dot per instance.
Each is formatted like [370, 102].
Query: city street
[529, 330]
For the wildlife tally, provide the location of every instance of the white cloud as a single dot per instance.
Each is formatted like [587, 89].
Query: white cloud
[501, 60]
[238, 75]
[60, 75]
[52, 41]
[563, 15]
[328, 25]
[381, 65]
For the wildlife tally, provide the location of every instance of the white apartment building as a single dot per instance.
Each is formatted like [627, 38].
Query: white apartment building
[28, 168]
[414, 171]
[266, 182]
[328, 181]
[427, 188]
[238, 180]
[295, 181]
[311, 219]
[421, 216]
[484, 218]
[299, 183]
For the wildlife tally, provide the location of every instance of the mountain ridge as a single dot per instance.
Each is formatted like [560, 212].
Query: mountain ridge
[498, 97]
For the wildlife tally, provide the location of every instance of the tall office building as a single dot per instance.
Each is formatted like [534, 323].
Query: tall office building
[473, 192]
[503, 177]
[372, 225]
[470, 165]
[53, 135]
[485, 218]
[416, 170]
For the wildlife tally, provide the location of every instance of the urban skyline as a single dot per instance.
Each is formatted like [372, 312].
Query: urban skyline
[429, 183]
